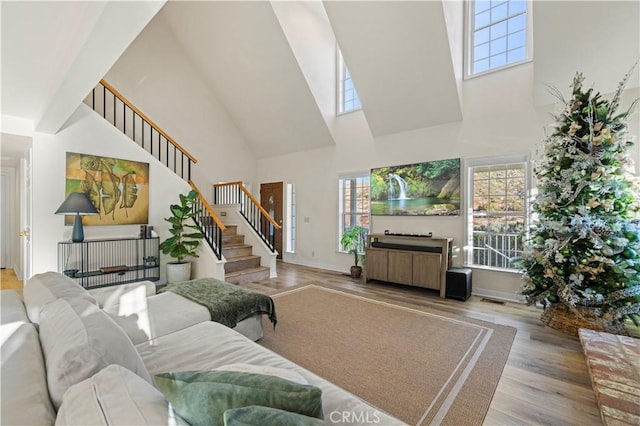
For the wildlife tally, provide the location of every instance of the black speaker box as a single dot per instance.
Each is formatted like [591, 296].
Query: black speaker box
[458, 283]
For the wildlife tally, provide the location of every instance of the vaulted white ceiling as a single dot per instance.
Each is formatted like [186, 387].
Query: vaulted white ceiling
[243, 55]
[405, 58]
[399, 57]
[53, 53]
[398, 53]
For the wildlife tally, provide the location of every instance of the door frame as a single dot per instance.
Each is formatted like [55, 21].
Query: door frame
[7, 231]
[26, 214]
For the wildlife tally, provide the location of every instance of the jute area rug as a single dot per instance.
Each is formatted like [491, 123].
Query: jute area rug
[419, 365]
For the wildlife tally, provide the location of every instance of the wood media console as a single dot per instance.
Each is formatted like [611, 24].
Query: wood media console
[415, 260]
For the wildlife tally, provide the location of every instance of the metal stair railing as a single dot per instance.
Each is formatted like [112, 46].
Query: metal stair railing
[255, 215]
[209, 223]
[119, 111]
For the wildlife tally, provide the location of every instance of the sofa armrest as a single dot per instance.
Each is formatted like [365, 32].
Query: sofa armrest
[109, 297]
[23, 378]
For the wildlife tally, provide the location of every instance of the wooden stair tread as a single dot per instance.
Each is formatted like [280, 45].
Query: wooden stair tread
[235, 246]
[241, 258]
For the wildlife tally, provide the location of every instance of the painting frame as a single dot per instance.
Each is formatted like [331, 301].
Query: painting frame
[118, 188]
[431, 188]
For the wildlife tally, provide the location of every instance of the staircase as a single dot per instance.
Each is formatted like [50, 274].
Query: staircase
[242, 265]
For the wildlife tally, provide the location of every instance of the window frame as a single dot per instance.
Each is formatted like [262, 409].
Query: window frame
[341, 69]
[469, 38]
[494, 160]
[341, 203]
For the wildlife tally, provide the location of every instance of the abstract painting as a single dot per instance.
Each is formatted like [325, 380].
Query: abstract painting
[119, 189]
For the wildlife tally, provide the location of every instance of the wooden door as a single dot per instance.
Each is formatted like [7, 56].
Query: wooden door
[271, 196]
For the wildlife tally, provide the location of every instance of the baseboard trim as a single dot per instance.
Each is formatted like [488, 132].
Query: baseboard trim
[499, 295]
[316, 265]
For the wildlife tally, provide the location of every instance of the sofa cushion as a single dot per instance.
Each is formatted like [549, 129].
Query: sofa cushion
[115, 396]
[145, 318]
[210, 345]
[25, 398]
[258, 415]
[78, 340]
[47, 287]
[202, 397]
[109, 297]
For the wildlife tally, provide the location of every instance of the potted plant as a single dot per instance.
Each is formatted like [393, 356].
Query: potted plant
[353, 242]
[185, 237]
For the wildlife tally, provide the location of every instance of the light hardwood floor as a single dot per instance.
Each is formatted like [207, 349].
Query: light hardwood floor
[9, 280]
[545, 381]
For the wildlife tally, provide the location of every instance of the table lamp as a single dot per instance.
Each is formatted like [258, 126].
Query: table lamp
[79, 204]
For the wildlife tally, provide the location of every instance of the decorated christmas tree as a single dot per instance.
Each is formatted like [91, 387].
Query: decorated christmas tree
[582, 257]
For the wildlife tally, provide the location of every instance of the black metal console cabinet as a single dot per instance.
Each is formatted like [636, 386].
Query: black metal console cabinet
[113, 261]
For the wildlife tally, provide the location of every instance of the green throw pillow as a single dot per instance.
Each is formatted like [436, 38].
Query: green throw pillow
[257, 415]
[202, 397]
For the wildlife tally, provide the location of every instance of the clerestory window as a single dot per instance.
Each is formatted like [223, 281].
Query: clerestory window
[347, 97]
[499, 34]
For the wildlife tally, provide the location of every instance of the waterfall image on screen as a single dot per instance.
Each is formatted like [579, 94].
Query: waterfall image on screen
[422, 189]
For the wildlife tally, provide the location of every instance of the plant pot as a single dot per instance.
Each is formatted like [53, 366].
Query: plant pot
[356, 271]
[178, 272]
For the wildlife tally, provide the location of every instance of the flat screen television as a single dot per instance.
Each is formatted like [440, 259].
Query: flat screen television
[431, 188]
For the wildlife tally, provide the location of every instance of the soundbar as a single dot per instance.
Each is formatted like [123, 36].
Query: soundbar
[400, 234]
[428, 249]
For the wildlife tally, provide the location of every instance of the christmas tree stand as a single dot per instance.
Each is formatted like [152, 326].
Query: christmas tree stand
[570, 320]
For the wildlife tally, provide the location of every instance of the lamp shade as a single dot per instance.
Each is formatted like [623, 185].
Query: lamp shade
[79, 204]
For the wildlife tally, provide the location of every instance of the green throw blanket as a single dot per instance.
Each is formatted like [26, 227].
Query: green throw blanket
[228, 304]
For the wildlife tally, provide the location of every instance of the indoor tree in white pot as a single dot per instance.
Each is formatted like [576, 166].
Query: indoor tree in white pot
[185, 237]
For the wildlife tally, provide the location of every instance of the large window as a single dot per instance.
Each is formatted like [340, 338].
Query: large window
[347, 97]
[496, 210]
[354, 202]
[498, 34]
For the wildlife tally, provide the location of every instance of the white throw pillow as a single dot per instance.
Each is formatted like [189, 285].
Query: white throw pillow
[48, 287]
[283, 373]
[78, 340]
[115, 396]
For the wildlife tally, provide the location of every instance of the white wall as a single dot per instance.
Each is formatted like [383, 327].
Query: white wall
[158, 78]
[86, 132]
[500, 117]
[601, 39]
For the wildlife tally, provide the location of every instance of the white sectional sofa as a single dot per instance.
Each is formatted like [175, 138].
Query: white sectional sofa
[72, 357]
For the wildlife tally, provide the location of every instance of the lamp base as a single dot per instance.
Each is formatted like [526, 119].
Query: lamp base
[78, 232]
